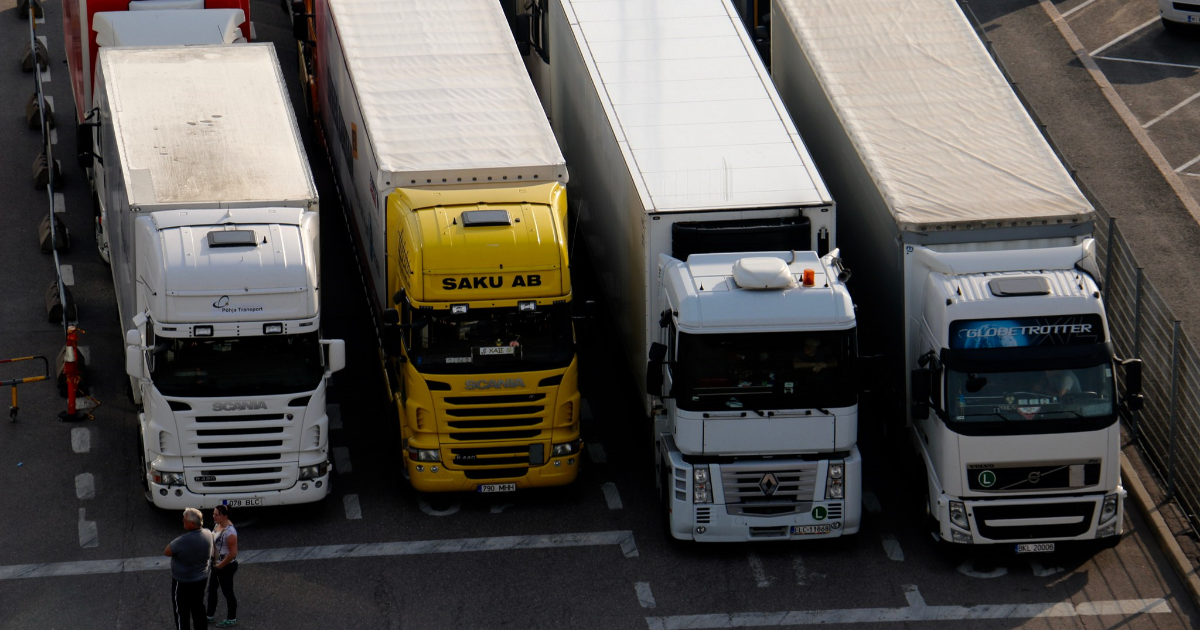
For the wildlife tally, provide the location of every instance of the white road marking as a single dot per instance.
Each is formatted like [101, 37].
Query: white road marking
[892, 547]
[917, 610]
[335, 416]
[611, 496]
[596, 451]
[1041, 571]
[89, 536]
[499, 508]
[756, 568]
[68, 275]
[45, 75]
[1066, 13]
[1178, 107]
[871, 502]
[623, 539]
[54, 137]
[1188, 164]
[1148, 63]
[81, 440]
[353, 509]
[1123, 36]
[799, 570]
[968, 569]
[428, 509]
[645, 597]
[85, 486]
[341, 460]
[60, 200]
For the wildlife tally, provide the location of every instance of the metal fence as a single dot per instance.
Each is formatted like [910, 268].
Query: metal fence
[1143, 326]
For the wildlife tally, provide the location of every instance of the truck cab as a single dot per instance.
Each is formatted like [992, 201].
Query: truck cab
[1015, 410]
[484, 339]
[756, 366]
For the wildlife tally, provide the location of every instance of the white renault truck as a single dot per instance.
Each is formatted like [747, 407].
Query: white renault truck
[714, 239]
[212, 214]
[981, 279]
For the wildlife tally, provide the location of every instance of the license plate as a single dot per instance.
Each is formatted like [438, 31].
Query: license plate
[497, 487]
[242, 502]
[1035, 547]
[497, 350]
[810, 529]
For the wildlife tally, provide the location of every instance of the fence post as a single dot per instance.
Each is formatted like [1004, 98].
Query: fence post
[1108, 256]
[1136, 416]
[1174, 409]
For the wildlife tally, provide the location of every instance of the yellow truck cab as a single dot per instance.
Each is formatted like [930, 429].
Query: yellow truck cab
[485, 344]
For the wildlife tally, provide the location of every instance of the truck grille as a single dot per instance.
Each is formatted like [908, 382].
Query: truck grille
[769, 489]
[241, 452]
[495, 436]
[1035, 477]
[241, 478]
[985, 513]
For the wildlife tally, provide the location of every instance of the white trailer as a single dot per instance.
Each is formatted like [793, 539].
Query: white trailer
[213, 227]
[981, 285]
[684, 169]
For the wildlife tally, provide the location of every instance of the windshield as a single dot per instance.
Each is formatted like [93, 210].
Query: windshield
[1030, 396]
[760, 371]
[493, 340]
[236, 366]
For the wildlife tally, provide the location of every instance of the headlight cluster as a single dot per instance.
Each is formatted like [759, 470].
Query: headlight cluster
[168, 478]
[1109, 509]
[424, 454]
[315, 471]
[835, 481]
[701, 493]
[958, 515]
[570, 448]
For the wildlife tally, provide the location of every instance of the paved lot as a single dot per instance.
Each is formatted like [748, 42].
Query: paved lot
[80, 546]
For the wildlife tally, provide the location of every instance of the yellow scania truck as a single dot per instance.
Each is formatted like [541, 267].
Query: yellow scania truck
[454, 190]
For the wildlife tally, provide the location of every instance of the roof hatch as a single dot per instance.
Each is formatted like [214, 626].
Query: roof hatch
[1025, 285]
[231, 238]
[485, 218]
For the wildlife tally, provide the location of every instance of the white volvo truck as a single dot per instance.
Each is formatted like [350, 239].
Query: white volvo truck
[213, 226]
[981, 280]
[707, 222]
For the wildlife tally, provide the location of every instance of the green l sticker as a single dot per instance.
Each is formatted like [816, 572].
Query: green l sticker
[820, 512]
[987, 479]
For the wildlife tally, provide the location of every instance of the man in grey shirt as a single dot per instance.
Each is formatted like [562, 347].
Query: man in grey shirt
[190, 556]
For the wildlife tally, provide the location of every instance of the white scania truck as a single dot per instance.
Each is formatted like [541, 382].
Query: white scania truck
[714, 240]
[212, 214]
[981, 282]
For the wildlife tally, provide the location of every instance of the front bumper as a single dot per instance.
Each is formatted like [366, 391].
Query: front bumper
[1031, 520]
[718, 522]
[558, 471]
[177, 497]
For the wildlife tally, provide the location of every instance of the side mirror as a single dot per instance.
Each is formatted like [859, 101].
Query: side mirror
[1134, 401]
[922, 379]
[521, 32]
[654, 376]
[336, 359]
[393, 341]
[133, 362]
[85, 148]
[391, 316]
[133, 338]
[300, 26]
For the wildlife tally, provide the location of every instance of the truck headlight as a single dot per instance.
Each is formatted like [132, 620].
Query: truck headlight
[835, 480]
[958, 515]
[168, 478]
[1109, 509]
[314, 472]
[700, 489]
[569, 448]
[424, 454]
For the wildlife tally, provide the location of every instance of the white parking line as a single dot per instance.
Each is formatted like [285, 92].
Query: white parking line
[800, 571]
[596, 451]
[645, 597]
[85, 486]
[89, 536]
[611, 496]
[428, 509]
[353, 509]
[968, 569]
[892, 547]
[756, 568]
[917, 610]
[335, 416]
[623, 539]
[1041, 571]
[81, 440]
[1188, 164]
[498, 508]
[1066, 13]
[341, 460]
[1178, 107]
[68, 275]
[1123, 36]
[1148, 63]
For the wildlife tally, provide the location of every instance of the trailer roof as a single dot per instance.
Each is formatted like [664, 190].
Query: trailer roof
[203, 124]
[695, 112]
[443, 88]
[937, 124]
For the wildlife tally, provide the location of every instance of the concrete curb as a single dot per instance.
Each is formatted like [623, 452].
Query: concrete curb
[1183, 567]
